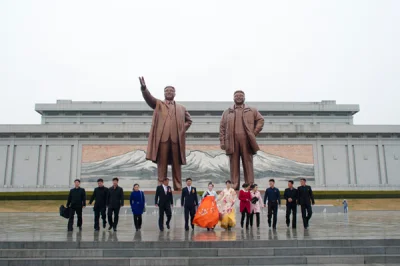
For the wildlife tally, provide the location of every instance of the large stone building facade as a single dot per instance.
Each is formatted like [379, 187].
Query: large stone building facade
[88, 140]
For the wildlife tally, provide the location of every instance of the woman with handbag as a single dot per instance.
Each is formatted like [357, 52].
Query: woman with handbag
[137, 201]
[256, 205]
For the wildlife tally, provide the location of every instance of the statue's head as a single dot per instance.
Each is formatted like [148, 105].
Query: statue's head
[238, 97]
[169, 93]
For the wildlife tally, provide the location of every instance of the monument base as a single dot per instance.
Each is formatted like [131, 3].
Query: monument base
[353, 238]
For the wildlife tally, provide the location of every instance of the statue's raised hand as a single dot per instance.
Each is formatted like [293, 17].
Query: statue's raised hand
[142, 83]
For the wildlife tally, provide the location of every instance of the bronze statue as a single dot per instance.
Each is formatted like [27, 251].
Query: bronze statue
[239, 127]
[167, 138]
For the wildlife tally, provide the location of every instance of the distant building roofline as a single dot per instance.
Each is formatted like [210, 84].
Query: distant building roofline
[268, 129]
[112, 106]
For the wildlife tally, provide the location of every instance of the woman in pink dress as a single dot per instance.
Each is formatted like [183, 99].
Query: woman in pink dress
[256, 204]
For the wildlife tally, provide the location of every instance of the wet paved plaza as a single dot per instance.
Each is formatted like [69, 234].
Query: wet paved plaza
[52, 227]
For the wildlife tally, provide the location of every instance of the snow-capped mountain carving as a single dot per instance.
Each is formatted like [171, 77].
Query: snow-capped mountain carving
[210, 165]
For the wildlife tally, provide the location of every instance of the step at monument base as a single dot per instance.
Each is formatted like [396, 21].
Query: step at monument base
[252, 252]
[257, 260]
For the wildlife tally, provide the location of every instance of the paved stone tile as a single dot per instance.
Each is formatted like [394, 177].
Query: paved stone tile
[189, 252]
[159, 262]
[277, 260]
[392, 259]
[39, 262]
[392, 250]
[219, 261]
[247, 252]
[49, 253]
[130, 253]
[335, 259]
[376, 226]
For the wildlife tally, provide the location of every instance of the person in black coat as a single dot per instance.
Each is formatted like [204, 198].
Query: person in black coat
[164, 201]
[290, 196]
[305, 199]
[76, 201]
[115, 201]
[100, 195]
[189, 201]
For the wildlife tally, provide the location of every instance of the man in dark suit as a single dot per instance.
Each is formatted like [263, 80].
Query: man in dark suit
[100, 195]
[189, 201]
[164, 202]
[76, 201]
[305, 199]
[290, 196]
[115, 201]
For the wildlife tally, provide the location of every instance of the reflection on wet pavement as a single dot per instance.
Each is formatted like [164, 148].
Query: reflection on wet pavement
[51, 227]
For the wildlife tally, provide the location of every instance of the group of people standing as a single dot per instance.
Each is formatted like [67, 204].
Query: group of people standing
[106, 199]
[250, 203]
[214, 208]
[302, 196]
[220, 208]
[110, 199]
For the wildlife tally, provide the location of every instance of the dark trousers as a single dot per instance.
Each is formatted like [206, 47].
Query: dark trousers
[306, 213]
[247, 215]
[272, 211]
[137, 220]
[192, 211]
[291, 209]
[97, 213]
[167, 210]
[110, 218]
[257, 214]
[78, 211]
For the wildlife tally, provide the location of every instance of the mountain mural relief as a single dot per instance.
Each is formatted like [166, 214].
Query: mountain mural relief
[202, 164]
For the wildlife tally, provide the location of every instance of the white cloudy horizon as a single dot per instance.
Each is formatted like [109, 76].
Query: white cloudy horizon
[283, 51]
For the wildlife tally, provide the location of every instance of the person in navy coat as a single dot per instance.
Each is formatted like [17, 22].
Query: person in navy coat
[273, 197]
[137, 201]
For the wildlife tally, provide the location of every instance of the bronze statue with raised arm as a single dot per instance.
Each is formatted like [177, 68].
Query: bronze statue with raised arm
[167, 138]
[239, 127]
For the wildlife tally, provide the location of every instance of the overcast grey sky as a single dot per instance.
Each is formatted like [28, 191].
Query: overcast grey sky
[343, 50]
